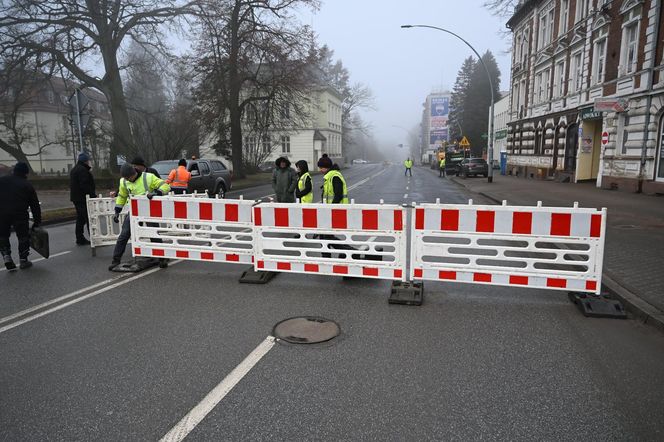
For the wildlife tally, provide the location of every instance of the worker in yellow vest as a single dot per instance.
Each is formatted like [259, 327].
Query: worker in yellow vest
[442, 168]
[304, 191]
[334, 184]
[409, 165]
[179, 178]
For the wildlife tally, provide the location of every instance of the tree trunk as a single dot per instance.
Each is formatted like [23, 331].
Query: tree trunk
[17, 153]
[234, 94]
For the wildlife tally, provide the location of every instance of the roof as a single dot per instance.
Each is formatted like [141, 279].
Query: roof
[319, 136]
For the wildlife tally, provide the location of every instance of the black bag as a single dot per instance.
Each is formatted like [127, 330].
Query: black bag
[39, 241]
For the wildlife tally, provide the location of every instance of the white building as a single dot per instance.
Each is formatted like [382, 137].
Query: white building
[501, 116]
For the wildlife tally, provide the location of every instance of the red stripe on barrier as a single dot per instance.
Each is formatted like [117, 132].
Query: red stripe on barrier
[369, 271]
[417, 273]
[485, 221]
[339, 220]
[181, 254]
[447, 275]
[341, 270]
[155, 209]
[260, 264]
[561, 224]
[180, 209]
[595, 226]
[283, 266]
[482, 277]
[208, 256]
[518, 280]
[398, 220]
[449, 220]
[205, 211]
[556, 282]
[419, 219]
[310, 218]
[137, 250]
[231, 212]
[398, 273]
[233, 258]
[258, 219]
[370, 220]
[280, 217]
[591, 285]
[311, 267]
[134, 207]
[158, 252]
[522, 222]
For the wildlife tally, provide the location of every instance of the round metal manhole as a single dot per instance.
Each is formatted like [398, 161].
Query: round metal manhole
[306, 330]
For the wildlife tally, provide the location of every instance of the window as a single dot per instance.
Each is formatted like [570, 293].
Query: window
[629, 47]
[284, 111]
[577, 72]
[545, 28]
[524, 46]
[581, 10]
[559, 81]
[217, 165]
[538, 88]
[542, 86]
[51, 97]
[599, 61]
[266, 144]
[564, 16]
[203, 167]
[285, 144]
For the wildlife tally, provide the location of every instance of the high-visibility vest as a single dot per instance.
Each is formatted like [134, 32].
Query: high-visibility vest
[143, 184]
[179, 177]
[309, 197]
[328, 188]
[408, 164]
[442, 163]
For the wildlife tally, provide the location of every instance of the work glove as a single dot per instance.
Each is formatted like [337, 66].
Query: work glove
[116, 218]
[151, 195]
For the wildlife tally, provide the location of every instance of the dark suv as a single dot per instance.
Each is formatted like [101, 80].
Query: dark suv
[473, 166]
[209, 176]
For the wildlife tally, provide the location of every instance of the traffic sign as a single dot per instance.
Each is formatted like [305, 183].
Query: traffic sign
[605, 138]
[464, 142]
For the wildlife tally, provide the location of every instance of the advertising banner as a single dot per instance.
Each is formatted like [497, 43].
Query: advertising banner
[440, 106]
[438, 135]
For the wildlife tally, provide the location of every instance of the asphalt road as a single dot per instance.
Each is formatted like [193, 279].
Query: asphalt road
[127, 362]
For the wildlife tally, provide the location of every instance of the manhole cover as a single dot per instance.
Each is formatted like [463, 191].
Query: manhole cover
[306, 330]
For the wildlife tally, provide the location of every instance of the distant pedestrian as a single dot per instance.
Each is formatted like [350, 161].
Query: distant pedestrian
[179, 178]
[81, 184]
[16, 196]
[284, 181]
[441, 166]
[139, 164]
[304, 191]
[409, 165]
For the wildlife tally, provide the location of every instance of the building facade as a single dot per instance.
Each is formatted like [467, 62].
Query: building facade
[587, 92]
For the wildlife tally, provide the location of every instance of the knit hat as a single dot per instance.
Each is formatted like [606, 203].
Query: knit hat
[83, 157]
[21, 169]
[127, 170]
[138, 161]
[325, 162]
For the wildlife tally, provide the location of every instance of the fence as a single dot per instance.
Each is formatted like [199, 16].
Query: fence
[541, 247]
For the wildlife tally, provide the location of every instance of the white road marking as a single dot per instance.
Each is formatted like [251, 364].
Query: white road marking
[41, 259]
[405, 195]
[82, 298]
[61, 298]
[204, 407]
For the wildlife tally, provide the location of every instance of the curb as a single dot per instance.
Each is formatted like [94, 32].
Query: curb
[637, 306]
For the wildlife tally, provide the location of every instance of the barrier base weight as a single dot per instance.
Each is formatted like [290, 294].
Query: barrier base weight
[251, 276]
[598, 306]
[138, 265]
[406, 293]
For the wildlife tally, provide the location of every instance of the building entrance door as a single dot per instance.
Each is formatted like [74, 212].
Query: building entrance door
[659, 175]
[571, 146]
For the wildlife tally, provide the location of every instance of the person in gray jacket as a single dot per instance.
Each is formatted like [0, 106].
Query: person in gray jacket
[284, 181]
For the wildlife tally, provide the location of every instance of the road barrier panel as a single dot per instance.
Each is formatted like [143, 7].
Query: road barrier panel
[213, 230]
[103, 231]
[356, 240]
[539, 247]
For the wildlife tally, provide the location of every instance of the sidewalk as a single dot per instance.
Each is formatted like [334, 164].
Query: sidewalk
[634, 252]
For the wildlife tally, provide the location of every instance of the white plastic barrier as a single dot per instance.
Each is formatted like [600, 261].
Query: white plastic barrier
[103, 231]
[217, 230]
[540, 247]
[366, 241]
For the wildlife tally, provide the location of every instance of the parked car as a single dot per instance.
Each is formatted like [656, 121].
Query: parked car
[267, 166]
[359, 161]
[207, 175]
[472, 167]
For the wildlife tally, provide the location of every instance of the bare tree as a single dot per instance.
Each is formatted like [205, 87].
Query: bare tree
[84, 36]
[251, 52]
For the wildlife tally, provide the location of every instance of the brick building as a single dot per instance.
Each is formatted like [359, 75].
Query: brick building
[572, 60]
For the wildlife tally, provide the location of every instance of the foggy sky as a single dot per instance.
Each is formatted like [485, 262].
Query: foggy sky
[402, 66]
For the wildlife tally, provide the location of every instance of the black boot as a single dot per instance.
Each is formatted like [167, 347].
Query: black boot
[24, 264]
[9, 262]
[114, 264]
[163, 263]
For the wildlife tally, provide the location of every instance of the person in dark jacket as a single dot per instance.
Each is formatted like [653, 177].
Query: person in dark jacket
[16, 196]
[81, 184]
[304, 191]
[284, 181]
[139, 165]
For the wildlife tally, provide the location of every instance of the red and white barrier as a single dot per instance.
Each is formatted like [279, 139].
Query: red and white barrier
[217, 230]
[347, 239]
[539, 247]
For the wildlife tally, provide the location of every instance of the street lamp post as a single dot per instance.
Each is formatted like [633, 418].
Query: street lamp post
[490, 152]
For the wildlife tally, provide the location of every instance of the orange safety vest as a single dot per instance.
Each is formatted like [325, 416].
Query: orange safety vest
[179, 177]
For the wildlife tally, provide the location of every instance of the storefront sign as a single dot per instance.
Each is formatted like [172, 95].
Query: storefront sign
[591, 114]
[500, 134]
